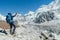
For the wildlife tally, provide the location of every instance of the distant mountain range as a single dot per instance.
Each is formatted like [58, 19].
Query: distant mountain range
[44, 13]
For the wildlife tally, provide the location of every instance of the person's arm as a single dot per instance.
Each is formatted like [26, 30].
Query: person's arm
[14, 15]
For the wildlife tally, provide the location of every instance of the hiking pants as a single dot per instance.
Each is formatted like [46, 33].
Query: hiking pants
[12, 28]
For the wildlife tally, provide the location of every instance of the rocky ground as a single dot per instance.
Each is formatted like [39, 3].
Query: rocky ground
[32, 31]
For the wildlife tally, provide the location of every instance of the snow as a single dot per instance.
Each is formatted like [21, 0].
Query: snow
[2, 18]
[30, 16]
[30, 30]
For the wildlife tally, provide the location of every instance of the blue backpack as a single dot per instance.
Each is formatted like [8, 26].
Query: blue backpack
[8, 19]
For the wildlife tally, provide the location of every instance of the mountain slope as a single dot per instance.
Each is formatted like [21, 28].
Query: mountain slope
[43, 24]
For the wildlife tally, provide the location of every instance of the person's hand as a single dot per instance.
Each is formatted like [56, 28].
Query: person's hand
[15, 14]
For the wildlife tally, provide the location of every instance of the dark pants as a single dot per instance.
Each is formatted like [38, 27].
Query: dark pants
[12, 28]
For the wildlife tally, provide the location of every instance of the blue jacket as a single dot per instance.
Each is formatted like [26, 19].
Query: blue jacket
[9, 18]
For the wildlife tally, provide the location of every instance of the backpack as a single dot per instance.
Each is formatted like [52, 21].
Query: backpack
[8, 19]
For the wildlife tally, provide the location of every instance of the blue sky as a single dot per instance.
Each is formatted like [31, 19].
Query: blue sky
[21, 6]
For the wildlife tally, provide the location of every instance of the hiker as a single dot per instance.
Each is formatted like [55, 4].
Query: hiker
[9, 20]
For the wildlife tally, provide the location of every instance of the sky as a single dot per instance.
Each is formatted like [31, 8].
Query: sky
[21, 6]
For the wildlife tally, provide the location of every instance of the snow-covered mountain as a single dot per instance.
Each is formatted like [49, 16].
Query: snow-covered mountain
[42, 14]
[30, 16]
[36, 30]
[47, 12]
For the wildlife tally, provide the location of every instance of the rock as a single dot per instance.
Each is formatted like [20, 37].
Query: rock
[54, 39]
[50, 35]
[44, 35]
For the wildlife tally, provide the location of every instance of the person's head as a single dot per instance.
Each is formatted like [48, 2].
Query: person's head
[9, 14]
